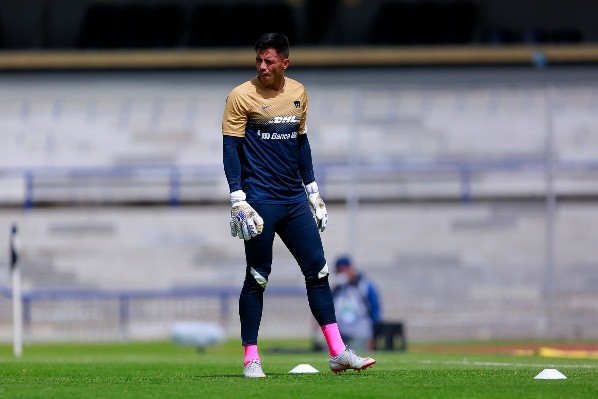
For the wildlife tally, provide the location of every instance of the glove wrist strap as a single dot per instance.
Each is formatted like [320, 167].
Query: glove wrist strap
[237, 196]
[312, 188]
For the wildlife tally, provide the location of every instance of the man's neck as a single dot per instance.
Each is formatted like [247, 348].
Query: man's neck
[278, 86]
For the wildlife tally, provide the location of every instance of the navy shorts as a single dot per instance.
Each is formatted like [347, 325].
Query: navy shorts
[295, 225]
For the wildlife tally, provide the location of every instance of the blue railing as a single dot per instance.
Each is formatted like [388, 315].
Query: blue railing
[124, 298]
[175, 174]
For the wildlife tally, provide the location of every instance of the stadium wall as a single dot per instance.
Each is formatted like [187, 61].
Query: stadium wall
[469, 196]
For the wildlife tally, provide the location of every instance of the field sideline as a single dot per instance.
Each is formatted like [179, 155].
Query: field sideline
[165, 370]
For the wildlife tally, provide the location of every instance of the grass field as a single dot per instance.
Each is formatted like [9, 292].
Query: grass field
[164, 370]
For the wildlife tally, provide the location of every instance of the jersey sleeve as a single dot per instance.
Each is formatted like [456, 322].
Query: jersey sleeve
[306, 169]
[234, 119]
[303, 123]
[232, 163]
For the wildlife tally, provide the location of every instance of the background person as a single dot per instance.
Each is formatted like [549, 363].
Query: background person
[357, 305]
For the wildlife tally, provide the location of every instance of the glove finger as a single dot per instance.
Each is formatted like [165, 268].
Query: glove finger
[245, 231]
[322, 223]
[251, 228]
[313, 201]
[259, 223]
[233, 228]
[239, 231]
[320, 213]
[322, 217]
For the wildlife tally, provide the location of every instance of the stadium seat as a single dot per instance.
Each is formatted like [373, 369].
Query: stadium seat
[163, 23]
[464, 20]
[319, 16]
[247, 22]
[206, 19]
[387, 17]
[131, 25]
[423, 23]
[96, 29]
[502, 35]
[498, 35]
[566, 35]
[244, 23]
[1, 33]
[390, 336]
[282, 19]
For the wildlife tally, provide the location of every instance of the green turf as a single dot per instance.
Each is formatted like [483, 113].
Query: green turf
[163, 370]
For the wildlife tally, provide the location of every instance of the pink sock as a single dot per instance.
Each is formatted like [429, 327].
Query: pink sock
[251, 354]
[333, 339]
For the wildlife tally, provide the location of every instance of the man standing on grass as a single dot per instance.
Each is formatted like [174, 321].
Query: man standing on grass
[268, 166]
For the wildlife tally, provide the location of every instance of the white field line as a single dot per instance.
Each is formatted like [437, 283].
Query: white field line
[506, 364]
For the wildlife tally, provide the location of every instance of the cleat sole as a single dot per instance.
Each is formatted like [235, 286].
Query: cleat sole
[367, 366]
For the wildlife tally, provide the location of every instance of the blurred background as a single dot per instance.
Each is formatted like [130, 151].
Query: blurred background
[199, 23]
[455, 143]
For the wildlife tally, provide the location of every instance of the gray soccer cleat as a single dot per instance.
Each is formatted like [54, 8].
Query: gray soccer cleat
[349, 360]
[253, 369]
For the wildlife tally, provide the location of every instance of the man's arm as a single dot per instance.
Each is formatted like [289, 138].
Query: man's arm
[306, 170]
[245, 222]
[374, 300]
[231, 146]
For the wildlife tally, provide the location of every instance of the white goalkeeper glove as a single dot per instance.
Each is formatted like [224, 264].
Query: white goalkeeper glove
[317, 205]
[245, 222]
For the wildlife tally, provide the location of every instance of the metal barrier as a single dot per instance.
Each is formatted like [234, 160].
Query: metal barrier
[168, 182]
[116, 315]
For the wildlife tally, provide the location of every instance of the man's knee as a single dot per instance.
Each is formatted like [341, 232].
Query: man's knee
[260, 278]
[316, 281]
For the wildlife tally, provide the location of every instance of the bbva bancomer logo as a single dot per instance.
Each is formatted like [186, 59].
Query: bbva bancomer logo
[276, 136]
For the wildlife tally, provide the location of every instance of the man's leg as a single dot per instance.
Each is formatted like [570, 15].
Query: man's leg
[258, 255]
[302, 237]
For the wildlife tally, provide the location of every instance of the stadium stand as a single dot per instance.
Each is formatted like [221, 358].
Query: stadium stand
[241, 23]
[138, 143]
[116, 183]
[469, 257]
[417, 23]
[135, 25]
[131, 25]
[319, 19]
[1, 32]
[196, 24]
[204, 22]
[96, 30]
[166, 24]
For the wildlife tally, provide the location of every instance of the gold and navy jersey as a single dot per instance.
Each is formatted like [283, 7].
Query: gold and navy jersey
[269, 121]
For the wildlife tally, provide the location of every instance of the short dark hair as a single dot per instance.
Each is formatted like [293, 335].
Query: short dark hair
[277, 41]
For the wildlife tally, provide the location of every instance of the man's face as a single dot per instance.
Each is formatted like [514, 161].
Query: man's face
[343, 275]
[270, 67]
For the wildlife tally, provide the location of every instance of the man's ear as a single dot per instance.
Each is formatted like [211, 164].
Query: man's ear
[285, 63]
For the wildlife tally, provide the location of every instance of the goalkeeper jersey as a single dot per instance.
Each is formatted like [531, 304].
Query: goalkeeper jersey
[270, 122]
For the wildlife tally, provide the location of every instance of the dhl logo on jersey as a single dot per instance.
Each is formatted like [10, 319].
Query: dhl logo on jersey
[284, 119]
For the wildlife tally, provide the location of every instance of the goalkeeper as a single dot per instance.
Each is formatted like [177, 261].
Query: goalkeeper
[268, 166]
